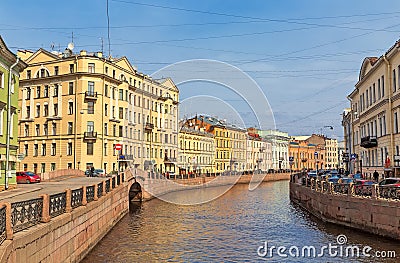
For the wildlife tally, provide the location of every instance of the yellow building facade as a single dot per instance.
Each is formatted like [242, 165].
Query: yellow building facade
[196, 151]
[76, 107]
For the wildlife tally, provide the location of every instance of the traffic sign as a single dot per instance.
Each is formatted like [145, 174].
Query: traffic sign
[118, 147]
[353, 156]
[21, 156]
[315, 153]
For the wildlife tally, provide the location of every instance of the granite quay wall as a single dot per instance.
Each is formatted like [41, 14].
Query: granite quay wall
[62, 227]
[61, 173]
[371, 209]
[153, 187]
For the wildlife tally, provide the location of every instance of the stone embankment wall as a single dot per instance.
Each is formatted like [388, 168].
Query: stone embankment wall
[158, 187]
[70, 236]
[377, 216]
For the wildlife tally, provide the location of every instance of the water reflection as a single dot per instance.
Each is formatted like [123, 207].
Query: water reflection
[228, 229]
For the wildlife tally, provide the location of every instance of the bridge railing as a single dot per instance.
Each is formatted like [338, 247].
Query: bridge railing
[18, 216]
[360, 191]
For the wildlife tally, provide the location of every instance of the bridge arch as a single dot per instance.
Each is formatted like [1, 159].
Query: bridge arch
[135, 192]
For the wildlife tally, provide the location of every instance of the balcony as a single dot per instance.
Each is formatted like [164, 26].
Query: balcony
[90, 95]
[90, 135]
[125, 157]
[369, 142]
[149, 126]
[169, 160]
[52, 118]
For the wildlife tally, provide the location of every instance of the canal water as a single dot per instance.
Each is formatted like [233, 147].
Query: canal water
[234, 228]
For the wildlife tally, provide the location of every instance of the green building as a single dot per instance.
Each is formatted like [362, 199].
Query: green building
[10, 67]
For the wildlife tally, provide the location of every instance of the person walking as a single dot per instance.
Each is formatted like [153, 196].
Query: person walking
[376, 176]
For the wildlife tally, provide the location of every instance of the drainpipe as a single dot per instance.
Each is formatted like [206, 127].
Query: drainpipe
[389, 81]
[8, 122]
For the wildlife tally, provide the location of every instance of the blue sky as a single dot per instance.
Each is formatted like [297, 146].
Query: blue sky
[304, 55]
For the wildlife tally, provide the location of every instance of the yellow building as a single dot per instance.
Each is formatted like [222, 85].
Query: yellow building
[76, 107]
[238, 160]
[372, 131]
[196, 151]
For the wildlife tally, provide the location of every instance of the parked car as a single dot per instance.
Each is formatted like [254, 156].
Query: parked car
[27, 178]
[362, 182]
[312, 174]
[390, 182]
[99, 172]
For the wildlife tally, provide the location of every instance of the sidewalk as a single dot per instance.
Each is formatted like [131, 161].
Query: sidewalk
[31, 191]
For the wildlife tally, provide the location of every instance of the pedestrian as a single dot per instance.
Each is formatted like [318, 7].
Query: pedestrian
[376, 176]
[92, 171]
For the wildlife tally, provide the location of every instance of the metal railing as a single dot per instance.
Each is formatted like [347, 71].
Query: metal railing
[90, 193]
[25, 214]
[28, 213]
[100, 189]
[360, 191]
[2, 224]
[76, 197]
[58, 204]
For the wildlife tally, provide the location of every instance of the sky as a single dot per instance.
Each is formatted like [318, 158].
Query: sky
[303, 55]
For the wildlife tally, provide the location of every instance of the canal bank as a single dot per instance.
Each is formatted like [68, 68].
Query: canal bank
[157, 188]
[371, 214]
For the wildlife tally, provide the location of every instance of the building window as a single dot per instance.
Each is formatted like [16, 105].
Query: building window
[121, 113]
[55, 90]
[394, 80]
[43, 149]
[106, 90]
[90, 126]
[89, 148]
[105, 109]
[112, 93]
[90, 90]
[53, 149]
[43, 168]
[113, 73]
[70, 88]
[90, 107]
[114, 130]
[71, 68]
[37, 110]
[37, 129]
[396, 123]
[70, 108]
[35, 149]
[383, 86]
[46, 110]
[54, 128]
[53, 167]
[28, 74]
[69, 148]
[45, 129]
[113, 112]
[55, 109]
[121, 94]
[26, 148]
[105, 128]
[105, 149]
[28, 93]
[70, 127]
[91, 68]
[28, 112]
[120, 131]
[26, 130]
[56, 70]
[46, 91]
[38, 92]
